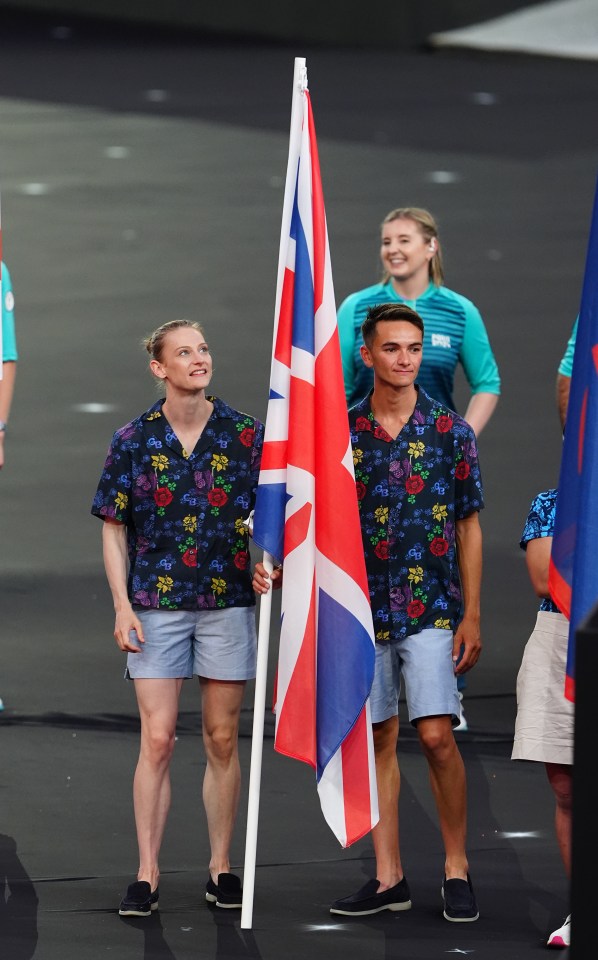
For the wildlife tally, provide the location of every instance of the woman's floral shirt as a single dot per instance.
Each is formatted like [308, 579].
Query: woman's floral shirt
[540, 523]
[411, 491]
[188, 547]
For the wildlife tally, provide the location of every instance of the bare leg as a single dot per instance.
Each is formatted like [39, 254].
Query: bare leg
[158, 702]
[221, 707]
[385, 835]
[447, 777]
[560, 777]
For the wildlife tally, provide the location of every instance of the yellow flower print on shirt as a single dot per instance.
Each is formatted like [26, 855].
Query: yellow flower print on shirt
[218, 585]
[159, 461]
[121, 501]
[240, 527]
[190, 524]
[439, 511]
[164, 584]
[381, 514]
[416, 449]
[357, 456]
[219, 462]
[382, 635]
[442, 624]
[416, 574]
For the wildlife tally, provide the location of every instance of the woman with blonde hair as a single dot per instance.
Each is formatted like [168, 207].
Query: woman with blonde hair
[454, 332]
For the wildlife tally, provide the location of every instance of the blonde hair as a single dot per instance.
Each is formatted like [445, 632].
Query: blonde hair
[154, 344]
[428, 229]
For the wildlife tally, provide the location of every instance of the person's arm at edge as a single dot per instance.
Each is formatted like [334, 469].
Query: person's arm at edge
[563, 377]
[537, 558]
[563, 386]
[346, 336]
[469, 557]
[479, 410]
[7, 386]
[114, 545]
[480, 368]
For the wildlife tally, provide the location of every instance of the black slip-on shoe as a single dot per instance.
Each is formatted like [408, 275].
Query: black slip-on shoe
[227, 893]
[459, 900]
[139, 900]
[368, 900]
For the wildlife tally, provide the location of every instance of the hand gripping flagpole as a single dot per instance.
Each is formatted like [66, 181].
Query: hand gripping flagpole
[259, 703]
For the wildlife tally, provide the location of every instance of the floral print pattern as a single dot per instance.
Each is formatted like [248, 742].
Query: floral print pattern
[188, 546]
[411, 492]
[540, 523]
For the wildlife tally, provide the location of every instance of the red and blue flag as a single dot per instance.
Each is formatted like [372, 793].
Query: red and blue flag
[573, 576]
[307, 518]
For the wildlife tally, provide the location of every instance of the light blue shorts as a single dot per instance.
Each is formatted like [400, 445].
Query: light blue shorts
[217, 644]
[425, 661]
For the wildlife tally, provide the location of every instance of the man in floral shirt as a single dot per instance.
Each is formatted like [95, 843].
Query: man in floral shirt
[176, 486]
[419, 491]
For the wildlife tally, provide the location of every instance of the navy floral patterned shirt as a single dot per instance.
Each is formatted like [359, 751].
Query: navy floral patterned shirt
[411, 491]
[540, 523]
[188, 547]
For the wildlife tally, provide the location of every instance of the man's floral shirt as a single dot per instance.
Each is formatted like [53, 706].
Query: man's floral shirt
[411, 491]
[540, 523]
[188, 546]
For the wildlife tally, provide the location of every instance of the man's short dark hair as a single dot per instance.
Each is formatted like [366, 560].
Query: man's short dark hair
[388, 311]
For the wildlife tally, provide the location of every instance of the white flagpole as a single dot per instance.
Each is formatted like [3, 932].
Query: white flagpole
[257, 743]
[259, 702]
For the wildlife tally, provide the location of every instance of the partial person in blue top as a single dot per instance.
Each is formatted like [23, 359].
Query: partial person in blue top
[563, 377]
[544, 726]
[454, 330]
[9, 362]
[9, 356]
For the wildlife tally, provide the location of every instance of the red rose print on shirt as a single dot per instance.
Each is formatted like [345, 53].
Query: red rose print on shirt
[414, 483]
[439, 546]
[362, 423]
[415, 609]
[217, 497]
[444, 424]
[247, 436]
[163, 496]
[381, 549]
[189, 557]
[462, 470]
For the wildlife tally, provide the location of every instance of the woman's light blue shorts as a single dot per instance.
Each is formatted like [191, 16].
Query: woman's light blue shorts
[217, 644]
[425, 661]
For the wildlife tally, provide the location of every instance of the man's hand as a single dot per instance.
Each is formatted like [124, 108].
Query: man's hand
[261, 578]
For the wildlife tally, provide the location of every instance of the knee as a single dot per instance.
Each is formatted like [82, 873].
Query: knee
[159, 744]
[436, 744]
[220, 743]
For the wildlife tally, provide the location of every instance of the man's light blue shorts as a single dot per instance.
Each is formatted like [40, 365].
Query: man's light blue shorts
[217, 644]
[425, 661]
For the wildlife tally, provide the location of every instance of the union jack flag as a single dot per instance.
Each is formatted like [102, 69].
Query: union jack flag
[573, 574]
[306, 514]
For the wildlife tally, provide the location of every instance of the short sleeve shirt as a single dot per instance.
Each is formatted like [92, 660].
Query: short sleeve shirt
[540, 523]
[411, 492]
[187, 543]
[9, 344]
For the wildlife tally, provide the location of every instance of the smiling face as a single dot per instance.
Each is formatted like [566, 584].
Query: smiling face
[394, 353]
[185, 362]
[405, 252]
